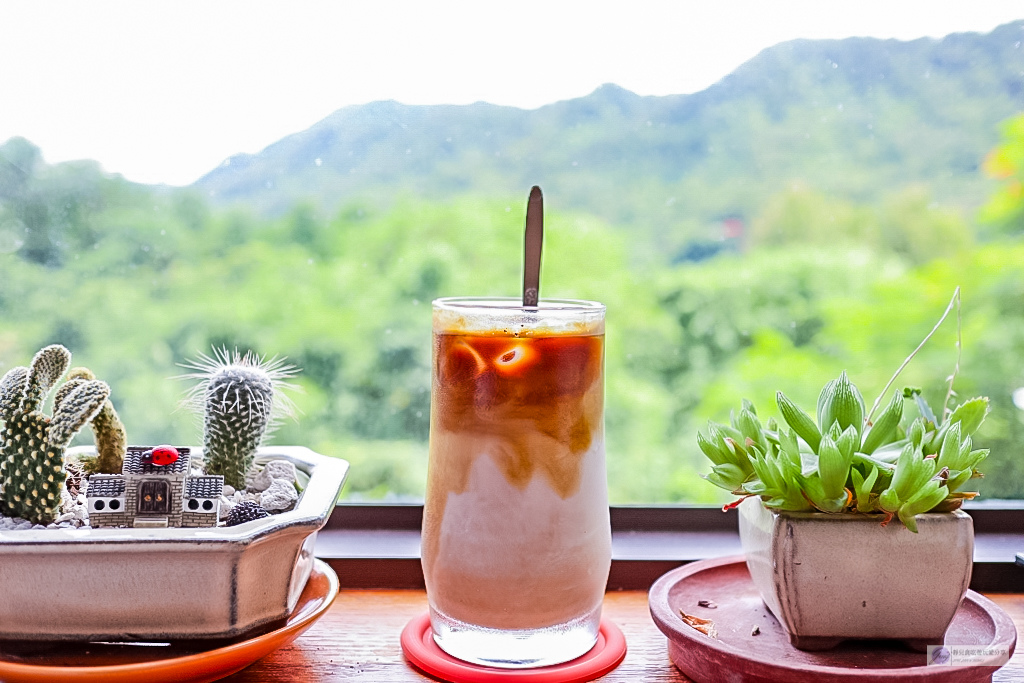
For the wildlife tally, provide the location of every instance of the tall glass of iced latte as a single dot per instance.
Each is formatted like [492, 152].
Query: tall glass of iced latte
[516, 538]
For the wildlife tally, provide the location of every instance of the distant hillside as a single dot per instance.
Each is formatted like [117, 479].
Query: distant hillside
[855, 118]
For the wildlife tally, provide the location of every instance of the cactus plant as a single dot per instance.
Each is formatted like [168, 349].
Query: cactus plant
[246, 511]
[107, 429]
[239, 400]
[31, 458]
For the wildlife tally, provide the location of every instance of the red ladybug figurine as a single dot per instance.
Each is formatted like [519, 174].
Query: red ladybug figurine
[165, 455]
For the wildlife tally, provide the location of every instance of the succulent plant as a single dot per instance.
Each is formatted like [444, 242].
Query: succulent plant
[238, 397]
[107, 429]
[31, 458]
[845, 463]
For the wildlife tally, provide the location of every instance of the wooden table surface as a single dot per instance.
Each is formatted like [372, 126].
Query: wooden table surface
[358, 639]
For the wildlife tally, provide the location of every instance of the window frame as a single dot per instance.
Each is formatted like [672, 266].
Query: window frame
[376, 545]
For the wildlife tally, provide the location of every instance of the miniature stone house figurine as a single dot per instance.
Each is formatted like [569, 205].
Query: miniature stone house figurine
[156, 488]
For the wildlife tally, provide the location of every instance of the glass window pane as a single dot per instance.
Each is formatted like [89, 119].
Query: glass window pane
[761, 199]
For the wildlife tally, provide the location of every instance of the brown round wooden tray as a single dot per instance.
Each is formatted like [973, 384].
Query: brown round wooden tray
[738, 656]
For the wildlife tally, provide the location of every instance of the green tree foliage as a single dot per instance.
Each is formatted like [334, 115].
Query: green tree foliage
[45, 207]
[347, 298]
[1005, 209]
[906, 223]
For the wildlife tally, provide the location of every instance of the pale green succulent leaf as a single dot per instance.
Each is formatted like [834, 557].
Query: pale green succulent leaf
[904, 474]
[816, 492]
[924, 501]
[757, 488]
[730, 432]
[885, 426]
[909, 520]
[970, 414]
[912, 474]
[841, 401]
[750, 427]
[716, 454]
[789, 446]
[727, 476]
[923, 408]
[833, 468]
[965, 448]
[949, 452]
[869, 461]
[889, 501]
[800, 421]
[835, 430]
[890, 452]
[975, 457]
[848, 442]
[808, 464]
[916, 434]
[863, 487]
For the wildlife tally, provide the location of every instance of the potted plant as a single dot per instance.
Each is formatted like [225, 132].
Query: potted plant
[156, 558]
[851, 523]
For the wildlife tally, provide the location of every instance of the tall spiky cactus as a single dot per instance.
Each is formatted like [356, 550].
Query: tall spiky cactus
[237, 397]
[32, 455]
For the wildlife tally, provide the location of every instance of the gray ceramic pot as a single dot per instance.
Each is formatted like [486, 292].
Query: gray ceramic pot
[163, 584]
[829, 578]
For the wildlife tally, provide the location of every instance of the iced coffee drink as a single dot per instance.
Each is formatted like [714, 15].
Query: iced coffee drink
[516, 539]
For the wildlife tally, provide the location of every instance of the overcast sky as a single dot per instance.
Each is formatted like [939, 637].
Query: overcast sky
[165, 91]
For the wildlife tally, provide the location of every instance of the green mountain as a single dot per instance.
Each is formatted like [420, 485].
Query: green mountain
[856, 119]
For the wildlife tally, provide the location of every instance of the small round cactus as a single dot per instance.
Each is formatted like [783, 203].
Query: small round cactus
[246, 511]
[237, 395]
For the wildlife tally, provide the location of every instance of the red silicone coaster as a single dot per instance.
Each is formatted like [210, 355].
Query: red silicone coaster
[421, 650]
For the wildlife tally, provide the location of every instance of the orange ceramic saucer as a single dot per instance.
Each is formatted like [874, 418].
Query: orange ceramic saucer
[160, 662]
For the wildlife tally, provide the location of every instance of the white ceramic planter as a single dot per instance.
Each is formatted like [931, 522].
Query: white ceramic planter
[164, 584]
[829, 578]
